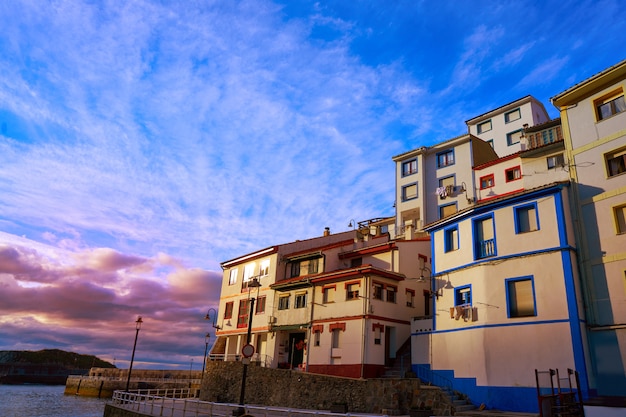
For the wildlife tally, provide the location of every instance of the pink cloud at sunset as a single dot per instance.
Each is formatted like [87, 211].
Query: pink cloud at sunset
[87, 302]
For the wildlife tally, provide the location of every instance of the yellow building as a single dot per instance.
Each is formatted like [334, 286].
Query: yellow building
[593, 114]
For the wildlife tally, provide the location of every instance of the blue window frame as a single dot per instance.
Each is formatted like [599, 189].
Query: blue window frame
[447, 210]
[526, 218]
[445, 158]
[463, 296]
[514, 137]
[451, 239]
[409, 167]
[520, 297]
[409, 192]
[484, 237]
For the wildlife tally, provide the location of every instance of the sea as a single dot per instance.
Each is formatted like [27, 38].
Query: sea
[31, 400]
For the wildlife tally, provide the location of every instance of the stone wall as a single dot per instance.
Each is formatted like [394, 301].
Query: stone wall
[101, 382]
[295, 389]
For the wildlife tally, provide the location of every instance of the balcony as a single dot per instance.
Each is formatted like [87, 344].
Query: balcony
[543, 134]
[486, 248]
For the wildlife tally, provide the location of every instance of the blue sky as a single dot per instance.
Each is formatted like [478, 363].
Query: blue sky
[144, 142]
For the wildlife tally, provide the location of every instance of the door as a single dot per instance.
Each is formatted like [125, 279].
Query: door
[296, 349]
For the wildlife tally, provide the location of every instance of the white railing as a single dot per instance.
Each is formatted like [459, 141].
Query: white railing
[263, 360]
[181, 403]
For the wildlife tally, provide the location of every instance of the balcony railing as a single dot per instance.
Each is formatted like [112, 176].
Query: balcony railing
[486, 248]
[545, 137]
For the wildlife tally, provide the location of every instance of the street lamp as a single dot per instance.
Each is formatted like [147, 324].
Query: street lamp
[132, 358]
[208, 317]
[254, 283]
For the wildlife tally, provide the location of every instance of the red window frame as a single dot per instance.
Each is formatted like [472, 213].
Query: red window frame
[506, 173]
[489, 177]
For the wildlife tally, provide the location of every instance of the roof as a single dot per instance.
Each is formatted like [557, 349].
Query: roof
[512, 104]
[493, 201]
[436, 147]
[590, 85]
[356, 272]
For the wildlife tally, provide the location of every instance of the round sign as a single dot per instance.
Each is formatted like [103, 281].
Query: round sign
[247, 351]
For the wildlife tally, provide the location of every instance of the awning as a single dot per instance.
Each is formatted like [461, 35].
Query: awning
[288, 327]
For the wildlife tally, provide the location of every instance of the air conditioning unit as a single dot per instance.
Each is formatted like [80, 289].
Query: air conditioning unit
[271, 320]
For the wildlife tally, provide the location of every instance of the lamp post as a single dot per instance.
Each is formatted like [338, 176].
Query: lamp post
[132, 358]
[208, 335]
[254, 283]
[206, 349]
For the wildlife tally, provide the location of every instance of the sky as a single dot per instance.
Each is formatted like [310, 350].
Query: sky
[142, 143]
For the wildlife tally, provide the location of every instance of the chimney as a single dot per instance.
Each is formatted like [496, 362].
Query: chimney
[327, 231]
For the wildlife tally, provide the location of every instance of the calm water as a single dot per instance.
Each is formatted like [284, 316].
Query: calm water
[46, 401]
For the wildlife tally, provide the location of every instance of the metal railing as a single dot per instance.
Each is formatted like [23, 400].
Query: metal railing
[181, 403]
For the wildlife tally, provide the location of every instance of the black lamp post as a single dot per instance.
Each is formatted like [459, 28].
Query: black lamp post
[206, 349]
[132, 358]
[208, 335]
[254, 283]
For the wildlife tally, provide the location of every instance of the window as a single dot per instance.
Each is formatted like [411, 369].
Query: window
[328, 294]
[316, 338]
[610, 105]
[513, 174]
[233, 276]
[447, 210]
[445, 158]
[616, 162]
[447, 182]
[228, 310]
[484, 127]
[300, 300]
[352, 291]
[283, 302]
[377, 291]
[526, 218]
[484, 237]
[490, 142]
[520, 297]
[313, 266]
[451, 239]
[356, 262]
[391, 294]
[409, 192]
[409, 167]
[514, 137]
[410, 297]
[512, 116]
[463, 295]
[295, 269]
[335, 338]
[242, 318]
[620, 218]
[265, 268]
[248, 273]
[260, 305]
[555, 161]
[487, 182]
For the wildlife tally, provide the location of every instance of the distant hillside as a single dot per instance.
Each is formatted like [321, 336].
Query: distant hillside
[48, 366]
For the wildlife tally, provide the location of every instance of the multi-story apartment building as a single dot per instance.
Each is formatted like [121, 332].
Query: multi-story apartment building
[503, 127]
[505, 286]
[338, 305]
[435, 182]
[594, 126]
